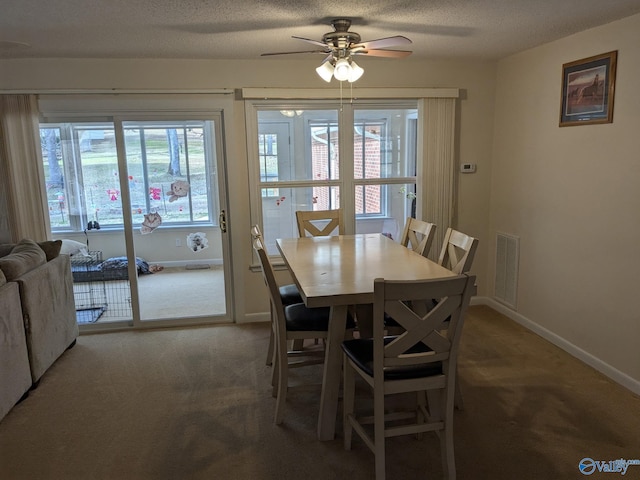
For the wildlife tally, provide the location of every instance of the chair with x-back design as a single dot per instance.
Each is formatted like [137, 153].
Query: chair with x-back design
[318, 223]
[458, 250]
[418, 235]
[289, 294]
[422, 359]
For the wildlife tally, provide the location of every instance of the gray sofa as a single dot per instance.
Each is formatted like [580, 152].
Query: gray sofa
[37, 315]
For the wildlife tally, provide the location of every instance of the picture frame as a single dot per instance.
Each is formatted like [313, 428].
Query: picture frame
[588, 87]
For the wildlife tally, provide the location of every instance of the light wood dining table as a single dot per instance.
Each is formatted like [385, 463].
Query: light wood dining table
[339, 271]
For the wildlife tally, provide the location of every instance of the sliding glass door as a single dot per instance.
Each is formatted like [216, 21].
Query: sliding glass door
[140, 203]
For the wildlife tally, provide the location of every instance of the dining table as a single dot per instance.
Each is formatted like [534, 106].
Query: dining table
[339, 272]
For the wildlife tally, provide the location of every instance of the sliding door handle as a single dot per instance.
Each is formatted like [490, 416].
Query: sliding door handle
[223, 221]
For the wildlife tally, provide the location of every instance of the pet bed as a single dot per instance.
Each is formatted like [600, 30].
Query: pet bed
[91, 269]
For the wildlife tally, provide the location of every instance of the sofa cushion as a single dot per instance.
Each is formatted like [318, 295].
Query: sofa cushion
[24, 257]
[3, 279]
[5, 248]
[51, 248]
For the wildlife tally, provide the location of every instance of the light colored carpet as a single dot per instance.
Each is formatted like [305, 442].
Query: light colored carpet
[177, 292]
[196, 404]
[174, 292]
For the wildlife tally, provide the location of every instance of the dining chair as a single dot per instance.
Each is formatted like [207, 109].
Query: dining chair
[290, 323]
[418, 235]
[422, 360]
[458, 251]
[289, 294]
[457, 254]
[318, 223]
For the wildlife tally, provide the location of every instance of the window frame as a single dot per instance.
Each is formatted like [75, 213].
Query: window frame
[345, 182]
[69, 131]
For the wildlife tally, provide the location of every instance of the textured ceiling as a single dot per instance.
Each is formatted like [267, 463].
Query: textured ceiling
[243, 29]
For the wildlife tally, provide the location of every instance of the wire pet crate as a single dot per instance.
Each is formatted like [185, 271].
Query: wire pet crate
[97, 297]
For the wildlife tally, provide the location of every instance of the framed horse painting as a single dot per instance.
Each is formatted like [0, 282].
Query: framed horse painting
[588, 89]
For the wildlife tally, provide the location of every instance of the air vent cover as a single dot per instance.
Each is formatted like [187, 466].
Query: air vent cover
[506, 281]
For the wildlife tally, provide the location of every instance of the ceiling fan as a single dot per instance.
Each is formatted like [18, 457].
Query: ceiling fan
[341, 45]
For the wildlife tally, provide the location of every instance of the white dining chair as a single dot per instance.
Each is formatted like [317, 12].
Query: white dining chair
[457, 254]
[290, 323]
[289, 294]
[458, 251]
[422, 359]
[418, 235]
[317, 223]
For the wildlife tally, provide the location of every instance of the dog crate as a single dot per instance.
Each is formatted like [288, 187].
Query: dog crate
[99, 293]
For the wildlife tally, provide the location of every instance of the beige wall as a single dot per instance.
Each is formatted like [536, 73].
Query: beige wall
[572, 195]
[476, 79]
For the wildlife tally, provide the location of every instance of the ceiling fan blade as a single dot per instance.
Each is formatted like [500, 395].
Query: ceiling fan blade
[383, 42]
[384, 53]
[315, 42]
[292, 53]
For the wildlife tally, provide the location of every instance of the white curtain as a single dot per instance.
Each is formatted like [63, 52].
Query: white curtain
[439, 166]
[21, 174]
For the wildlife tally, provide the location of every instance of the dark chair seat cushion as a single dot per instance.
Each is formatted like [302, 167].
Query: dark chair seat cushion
[299, 318]
[290, 294]
[360, 351]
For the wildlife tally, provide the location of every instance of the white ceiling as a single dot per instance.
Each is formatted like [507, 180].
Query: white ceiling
[243, 29]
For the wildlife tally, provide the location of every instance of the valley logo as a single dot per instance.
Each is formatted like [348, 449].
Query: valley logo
[588, 466]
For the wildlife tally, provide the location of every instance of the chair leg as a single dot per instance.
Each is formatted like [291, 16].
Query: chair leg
[348, 400]
[269, 361]
[275, 374]
[421, 407]
[446, 442]
[270, 351]
[281, 384]
[434, 403]
[457, 398]
[378, 433]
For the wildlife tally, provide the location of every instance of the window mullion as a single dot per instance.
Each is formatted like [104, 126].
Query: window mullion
[347, 189]
[145, 175]
[185, 139]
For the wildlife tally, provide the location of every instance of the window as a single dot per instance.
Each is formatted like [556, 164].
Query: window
[361, 159]
[165, 160]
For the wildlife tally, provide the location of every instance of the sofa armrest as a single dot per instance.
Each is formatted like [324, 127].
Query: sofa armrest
[15, 375]
[49, 313]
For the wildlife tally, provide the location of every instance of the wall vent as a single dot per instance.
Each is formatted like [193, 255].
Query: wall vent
[506, 281]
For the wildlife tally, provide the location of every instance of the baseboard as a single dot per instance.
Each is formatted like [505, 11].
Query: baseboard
[604, 368]
[256, 317]
[183, 263]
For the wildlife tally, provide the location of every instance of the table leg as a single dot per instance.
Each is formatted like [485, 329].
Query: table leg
[332, 373]
[364, 316]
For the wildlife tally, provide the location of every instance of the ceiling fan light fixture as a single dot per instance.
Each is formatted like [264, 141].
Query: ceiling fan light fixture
[325, 71]
[356, 72]
[342, 70]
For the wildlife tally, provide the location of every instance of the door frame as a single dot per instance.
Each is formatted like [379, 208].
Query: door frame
[100, 106]
[218, 176]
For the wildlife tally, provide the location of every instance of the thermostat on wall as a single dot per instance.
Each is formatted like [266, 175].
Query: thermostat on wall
[467, 167]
